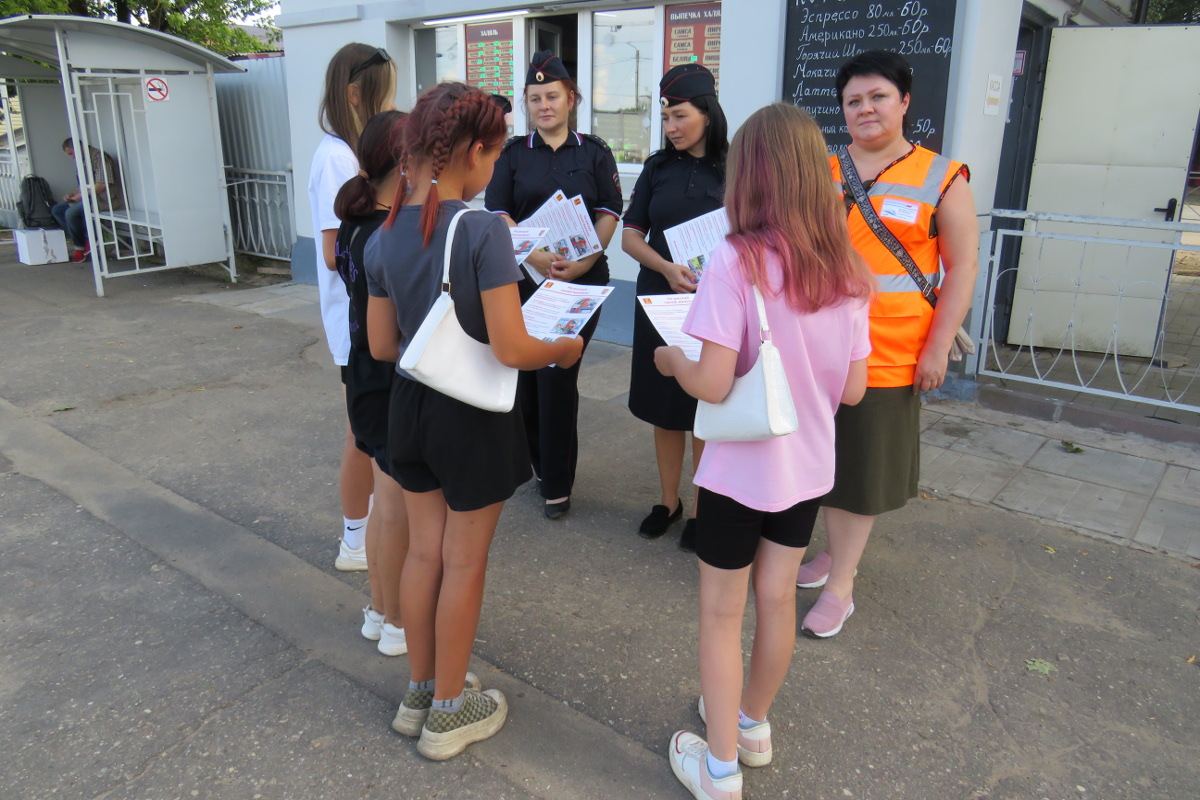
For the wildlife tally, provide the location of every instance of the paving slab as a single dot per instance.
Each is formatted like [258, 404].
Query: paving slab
[1095, 465]
[1180, 485]
[1105, 510]
[948, 472]
[986, 440]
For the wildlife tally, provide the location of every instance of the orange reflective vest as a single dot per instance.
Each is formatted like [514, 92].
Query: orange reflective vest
[905, 196]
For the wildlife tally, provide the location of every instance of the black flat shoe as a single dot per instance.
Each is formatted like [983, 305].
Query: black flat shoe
[658, 521]
[687, 540]
[557, 510]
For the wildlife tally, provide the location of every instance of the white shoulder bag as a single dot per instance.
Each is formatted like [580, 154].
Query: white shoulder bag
[444, 357]
[759, 406]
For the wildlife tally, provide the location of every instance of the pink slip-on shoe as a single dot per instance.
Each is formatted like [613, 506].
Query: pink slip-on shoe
[814, 573]
[827, 616]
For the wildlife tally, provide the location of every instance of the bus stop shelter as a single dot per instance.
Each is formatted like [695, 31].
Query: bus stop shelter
[145, 98]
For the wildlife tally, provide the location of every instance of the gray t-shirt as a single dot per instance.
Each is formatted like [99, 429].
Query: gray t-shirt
[410, 275]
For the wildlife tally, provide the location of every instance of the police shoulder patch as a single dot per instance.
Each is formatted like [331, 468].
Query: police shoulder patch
[593, 137]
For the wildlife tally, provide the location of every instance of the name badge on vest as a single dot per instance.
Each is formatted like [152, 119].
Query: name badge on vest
[898, 209]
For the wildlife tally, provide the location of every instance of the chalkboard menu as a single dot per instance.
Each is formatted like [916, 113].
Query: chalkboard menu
[824, 34]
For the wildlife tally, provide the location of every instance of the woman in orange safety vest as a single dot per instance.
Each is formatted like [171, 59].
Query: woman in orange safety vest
[924, 200]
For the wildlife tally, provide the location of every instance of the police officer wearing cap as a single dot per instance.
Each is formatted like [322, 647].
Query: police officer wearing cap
[530, 169]
[682, 181]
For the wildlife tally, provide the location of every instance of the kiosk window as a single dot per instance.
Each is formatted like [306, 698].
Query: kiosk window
[623, 81]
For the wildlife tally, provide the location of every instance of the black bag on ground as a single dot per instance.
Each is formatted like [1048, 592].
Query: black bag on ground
[35, 203]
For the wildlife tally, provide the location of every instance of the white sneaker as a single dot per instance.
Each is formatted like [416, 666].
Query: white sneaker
[689, 761]
[372, 624]
[350, 559]
[392, 641]
[753, 744]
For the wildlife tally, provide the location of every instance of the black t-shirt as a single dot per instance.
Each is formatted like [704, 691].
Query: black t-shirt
[352, 237]
[673, 188]
[528, 172]
[399, 268]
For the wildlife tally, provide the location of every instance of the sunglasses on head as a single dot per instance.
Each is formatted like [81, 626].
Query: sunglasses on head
[380, 56]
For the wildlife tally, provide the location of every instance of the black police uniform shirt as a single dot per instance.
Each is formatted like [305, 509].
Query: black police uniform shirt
[529, 171]
[673, 188]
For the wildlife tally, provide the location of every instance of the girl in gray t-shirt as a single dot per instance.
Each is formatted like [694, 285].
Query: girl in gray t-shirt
[456, 463]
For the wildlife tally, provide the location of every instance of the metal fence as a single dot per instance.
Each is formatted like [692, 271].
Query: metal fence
[1092, 305]
[257, 146]
[13, 156]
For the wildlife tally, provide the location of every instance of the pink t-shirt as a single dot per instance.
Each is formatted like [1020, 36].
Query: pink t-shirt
[816, 348]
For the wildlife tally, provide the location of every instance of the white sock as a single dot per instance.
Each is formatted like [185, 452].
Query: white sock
[721, 769]
[745, 722]
[354, 532]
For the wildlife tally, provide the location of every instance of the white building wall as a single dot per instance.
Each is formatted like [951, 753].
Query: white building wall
[752, 52]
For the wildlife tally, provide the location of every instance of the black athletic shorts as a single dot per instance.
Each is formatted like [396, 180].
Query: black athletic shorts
[727, 532]
[368, 394]
[475, 457]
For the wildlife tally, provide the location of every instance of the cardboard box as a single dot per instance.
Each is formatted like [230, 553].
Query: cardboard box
[40, 246]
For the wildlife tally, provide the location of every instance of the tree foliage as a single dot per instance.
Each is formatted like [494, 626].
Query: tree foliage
[1174, 11]
[205, 22]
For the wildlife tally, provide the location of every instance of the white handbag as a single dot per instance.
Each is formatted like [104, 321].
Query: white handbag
[759, 406]
[444, 357]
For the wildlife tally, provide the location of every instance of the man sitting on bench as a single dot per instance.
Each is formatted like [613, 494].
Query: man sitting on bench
[106, 192]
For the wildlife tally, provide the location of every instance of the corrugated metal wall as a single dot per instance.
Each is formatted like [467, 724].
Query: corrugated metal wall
[257, 145]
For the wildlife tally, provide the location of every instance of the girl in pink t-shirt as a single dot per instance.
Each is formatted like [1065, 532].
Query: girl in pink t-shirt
[758, 501]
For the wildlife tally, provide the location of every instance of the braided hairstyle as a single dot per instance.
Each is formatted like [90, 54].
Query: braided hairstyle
[447, 120]
[379, 150]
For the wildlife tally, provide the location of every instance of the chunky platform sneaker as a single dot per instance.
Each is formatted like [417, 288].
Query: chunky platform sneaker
[415, 708]
[350, 559]
[446, 735]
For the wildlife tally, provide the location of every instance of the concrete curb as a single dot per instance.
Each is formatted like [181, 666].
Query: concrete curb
[547, 749]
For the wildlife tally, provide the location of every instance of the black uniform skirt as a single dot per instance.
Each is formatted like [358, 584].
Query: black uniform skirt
[475, 457]
[878, 452]
[654, 398]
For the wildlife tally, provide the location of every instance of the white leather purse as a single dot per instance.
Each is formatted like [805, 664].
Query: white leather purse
[759, 406]
[444, 357]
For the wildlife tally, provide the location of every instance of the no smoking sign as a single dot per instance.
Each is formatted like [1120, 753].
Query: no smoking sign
[156, 90]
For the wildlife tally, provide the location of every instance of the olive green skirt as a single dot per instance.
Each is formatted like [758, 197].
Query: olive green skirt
[878, 450]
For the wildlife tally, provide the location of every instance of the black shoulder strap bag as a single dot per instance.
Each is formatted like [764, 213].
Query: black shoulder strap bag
[962, 340]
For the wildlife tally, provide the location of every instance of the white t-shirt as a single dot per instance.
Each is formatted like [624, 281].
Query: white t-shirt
[333, 164]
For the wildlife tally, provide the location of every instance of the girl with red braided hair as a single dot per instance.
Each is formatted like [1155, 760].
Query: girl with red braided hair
[457, 464]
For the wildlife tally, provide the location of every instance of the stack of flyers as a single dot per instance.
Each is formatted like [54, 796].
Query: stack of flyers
[525, 239]
[693, 242]
[570, 232]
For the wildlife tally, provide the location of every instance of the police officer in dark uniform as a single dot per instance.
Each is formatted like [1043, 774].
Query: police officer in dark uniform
[530, 169]
[682, 181]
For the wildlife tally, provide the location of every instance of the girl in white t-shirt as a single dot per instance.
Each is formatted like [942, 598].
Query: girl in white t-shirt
[360, 81]
[758, 501]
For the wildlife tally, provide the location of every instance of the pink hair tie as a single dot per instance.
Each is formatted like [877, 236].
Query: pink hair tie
[362, 173]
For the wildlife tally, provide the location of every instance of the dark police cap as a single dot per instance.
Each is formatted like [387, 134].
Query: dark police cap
[684, 82]
[545, 68]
